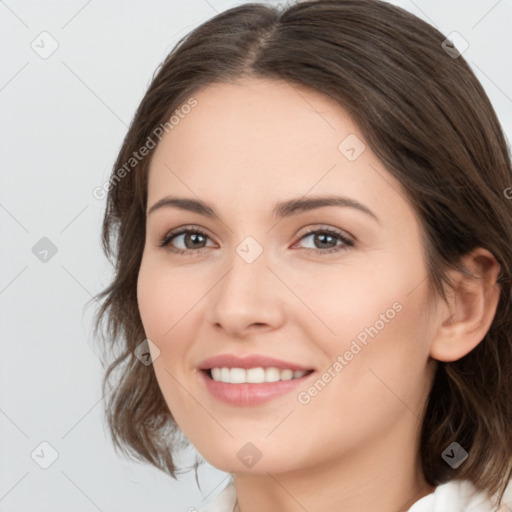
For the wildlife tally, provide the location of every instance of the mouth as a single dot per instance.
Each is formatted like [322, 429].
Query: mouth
[250, 379]
[249, 387]
[257, 375]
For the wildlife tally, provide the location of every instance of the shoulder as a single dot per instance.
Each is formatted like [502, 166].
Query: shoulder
[453, 496]
[456, 496]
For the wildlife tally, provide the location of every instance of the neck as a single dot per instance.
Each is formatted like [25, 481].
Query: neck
[379, 477]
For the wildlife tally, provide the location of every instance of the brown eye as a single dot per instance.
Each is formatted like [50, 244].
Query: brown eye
[327, 240]
[191, 239]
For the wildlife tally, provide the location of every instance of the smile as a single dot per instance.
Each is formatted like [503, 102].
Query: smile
[257, 375]
[234, 387]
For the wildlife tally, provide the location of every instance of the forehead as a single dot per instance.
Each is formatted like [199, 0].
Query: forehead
[237, 119]
[261, 140]
[237, 126]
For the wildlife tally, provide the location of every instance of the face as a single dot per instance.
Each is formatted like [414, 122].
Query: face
[333, 295]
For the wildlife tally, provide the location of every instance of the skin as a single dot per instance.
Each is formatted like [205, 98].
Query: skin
[244, 147]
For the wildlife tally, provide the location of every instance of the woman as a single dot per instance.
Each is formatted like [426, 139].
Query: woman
[312, 232]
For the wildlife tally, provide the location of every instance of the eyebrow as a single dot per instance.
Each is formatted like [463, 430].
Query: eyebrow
[281, 210]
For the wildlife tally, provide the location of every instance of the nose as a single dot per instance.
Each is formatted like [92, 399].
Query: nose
[248, 298]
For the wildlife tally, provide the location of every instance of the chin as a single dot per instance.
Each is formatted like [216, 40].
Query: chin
[248, 458]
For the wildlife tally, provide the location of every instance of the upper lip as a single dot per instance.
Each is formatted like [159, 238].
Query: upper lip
[251, 361]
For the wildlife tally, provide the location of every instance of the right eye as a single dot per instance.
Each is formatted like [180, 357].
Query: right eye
[191, 239]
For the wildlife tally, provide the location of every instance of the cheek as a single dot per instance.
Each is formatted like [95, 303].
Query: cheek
[163, 303]
[164, 297]
[150, 299]
[378, 319]
[348, 299]
[385, 347]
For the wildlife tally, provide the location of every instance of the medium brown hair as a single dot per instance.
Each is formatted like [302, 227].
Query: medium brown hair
[423, 112]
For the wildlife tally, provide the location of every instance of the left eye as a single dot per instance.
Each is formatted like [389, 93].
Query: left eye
[197, 237]
[322, 236]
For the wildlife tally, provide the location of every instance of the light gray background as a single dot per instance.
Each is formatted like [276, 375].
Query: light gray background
[62, 122]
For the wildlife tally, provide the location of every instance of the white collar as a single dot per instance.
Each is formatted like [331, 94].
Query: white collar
[452, 496]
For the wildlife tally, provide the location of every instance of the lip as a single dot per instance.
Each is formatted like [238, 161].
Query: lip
[251, 361]
[247, 395]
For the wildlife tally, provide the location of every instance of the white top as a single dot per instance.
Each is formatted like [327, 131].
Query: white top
[453, 496]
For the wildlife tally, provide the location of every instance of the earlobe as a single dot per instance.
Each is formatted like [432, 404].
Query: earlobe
[466, 317]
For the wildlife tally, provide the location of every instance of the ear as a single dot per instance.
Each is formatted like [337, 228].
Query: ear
[467, 315]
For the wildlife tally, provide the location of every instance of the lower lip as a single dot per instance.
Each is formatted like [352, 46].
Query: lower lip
[250, 394]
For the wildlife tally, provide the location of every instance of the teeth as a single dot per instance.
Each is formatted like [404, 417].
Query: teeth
[254, 375]
[286, 374]
[272, 375]
[237, 375]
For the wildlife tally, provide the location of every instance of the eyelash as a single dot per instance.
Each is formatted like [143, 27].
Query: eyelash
[166, 240]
